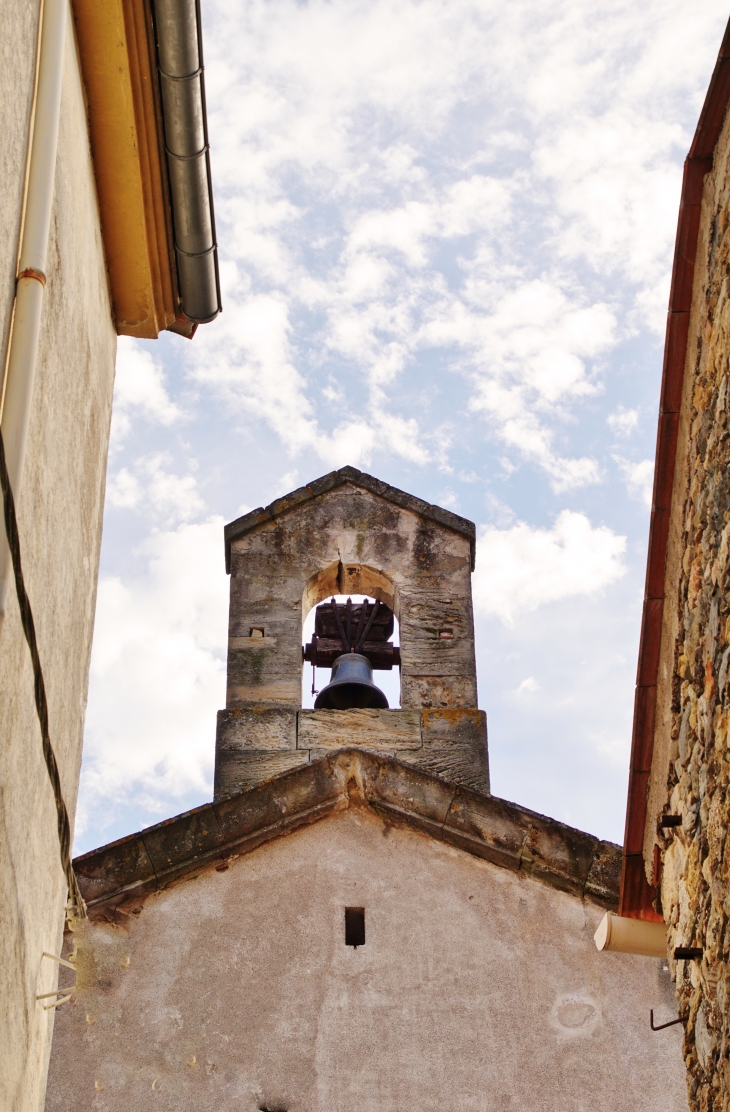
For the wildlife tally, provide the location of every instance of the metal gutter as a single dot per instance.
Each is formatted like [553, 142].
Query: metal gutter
[637, 895]
[180, 68]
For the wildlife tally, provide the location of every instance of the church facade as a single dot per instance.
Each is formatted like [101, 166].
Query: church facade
[355, 922]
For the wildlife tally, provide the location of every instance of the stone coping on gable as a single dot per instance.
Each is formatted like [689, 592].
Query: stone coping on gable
[509, 836]
[254, 518]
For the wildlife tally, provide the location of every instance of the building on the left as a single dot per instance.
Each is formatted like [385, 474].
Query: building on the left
[106, 229]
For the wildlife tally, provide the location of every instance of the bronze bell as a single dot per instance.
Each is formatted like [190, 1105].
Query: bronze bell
[351, 640]
[351, 686]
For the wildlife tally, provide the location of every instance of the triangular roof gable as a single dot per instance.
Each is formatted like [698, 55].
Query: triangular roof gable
[329, 482]
[501, 832]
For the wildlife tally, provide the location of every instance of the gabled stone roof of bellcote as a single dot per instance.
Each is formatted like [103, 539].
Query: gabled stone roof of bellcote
[209, 836]
[319, 487]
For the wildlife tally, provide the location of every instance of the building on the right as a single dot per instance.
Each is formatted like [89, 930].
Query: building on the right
[676, 854]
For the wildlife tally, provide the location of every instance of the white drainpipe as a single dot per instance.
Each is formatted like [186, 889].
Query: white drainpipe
[631, 936]
[31, 280]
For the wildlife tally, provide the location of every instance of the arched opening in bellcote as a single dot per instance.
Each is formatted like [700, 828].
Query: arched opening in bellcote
[358, 582]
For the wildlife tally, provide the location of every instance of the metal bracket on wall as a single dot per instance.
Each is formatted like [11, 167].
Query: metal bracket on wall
[661, 1026]
[65, 993]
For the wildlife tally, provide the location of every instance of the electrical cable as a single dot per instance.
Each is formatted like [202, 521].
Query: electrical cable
[41, 703]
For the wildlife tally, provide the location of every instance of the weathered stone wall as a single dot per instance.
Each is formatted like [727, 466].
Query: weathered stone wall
[254, 743]
[477, 989]
[60, 516]
[350, 540]
[691, 768]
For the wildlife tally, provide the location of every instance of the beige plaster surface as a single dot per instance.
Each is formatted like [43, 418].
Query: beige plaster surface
[60, 515]
[476, 989]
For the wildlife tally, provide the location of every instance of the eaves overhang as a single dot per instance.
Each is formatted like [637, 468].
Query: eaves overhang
[637, 895]
[255, 518]
[128, 871]
[149, 149]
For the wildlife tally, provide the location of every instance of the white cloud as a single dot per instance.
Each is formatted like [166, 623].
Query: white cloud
[526, 688]
[622, 422]
[249, 360]
[386, 194]
[639, 478]
[157, 675]
[469, 205]
[162, 495]
[521, 568]
[139, 390]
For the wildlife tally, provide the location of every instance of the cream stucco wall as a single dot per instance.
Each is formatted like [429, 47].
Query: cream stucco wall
[477, 989]
[60, 514]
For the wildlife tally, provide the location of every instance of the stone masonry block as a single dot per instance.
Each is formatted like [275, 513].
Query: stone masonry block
[465, 764]
[237, 769]
[257, 727]
[284, 689]
[437, 691]
[374, 729]
[488, 828]
[442, 725]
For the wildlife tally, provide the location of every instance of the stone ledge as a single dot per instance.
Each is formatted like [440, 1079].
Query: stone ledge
[498, 831]
[251, 742]
[338, 729]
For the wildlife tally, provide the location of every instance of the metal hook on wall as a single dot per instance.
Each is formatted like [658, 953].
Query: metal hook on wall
[661, 1026]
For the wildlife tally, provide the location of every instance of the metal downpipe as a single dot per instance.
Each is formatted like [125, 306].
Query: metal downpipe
[31, 280]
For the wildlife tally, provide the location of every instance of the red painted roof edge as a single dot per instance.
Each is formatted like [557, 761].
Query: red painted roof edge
[636, 894]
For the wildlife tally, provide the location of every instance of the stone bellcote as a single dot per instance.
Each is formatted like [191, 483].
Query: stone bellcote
[348, 533]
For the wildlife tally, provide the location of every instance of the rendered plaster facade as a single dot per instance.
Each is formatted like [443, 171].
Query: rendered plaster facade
[690, 774]
[477, 988]
[60, 515]
[349, 533]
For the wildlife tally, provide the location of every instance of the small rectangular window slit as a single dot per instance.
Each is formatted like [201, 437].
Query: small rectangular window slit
[355, 926]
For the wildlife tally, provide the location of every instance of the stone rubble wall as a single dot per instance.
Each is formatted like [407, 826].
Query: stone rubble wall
[695, 857]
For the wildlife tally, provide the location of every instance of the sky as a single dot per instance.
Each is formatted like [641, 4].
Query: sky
[446, 231]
